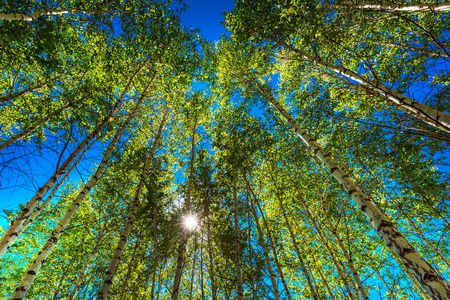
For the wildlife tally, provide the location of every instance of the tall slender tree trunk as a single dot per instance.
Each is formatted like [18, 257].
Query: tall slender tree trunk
[416, 109]
[276, 294]
[184, 234]
[294, 241]
[336, 263]
[444, 6]
[49, 12]
[250, 249]
[432, 282]
[211, 258]
[88, 261]
[193, 269]
[44, 204]
[28, 278]
[326, 241]
[325, 281]
[35, 126]
[237, 242]
[410, 221]
[201, 269]
[156, 253]
[11, 235]
[347, 256]
[28, 90]
[114, 264]
[274, 250]
[130, 269]
[384, 281]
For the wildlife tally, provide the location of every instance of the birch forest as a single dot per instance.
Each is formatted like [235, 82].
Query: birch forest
[303, 155]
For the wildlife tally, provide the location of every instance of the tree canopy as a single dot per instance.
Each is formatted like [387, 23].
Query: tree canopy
[303, 155]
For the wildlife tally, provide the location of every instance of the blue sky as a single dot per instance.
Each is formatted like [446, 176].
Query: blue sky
[15, 188]
[206, 15]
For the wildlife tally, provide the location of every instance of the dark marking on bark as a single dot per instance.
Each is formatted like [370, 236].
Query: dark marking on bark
[333, 169]
[31, 272]
[363, 208]
[408, 250]
[430, 277]
[384, 223]
[350, 192]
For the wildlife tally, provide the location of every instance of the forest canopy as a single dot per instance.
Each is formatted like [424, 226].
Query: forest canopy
[303, 155]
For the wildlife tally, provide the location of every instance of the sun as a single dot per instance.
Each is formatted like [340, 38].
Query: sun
[190, 222]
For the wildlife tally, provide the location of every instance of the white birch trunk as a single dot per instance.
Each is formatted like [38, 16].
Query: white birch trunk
[28, 278]
[408, 8]
[274, 250]
[347, 256]
[46, 12]
[12, 232]
[211, 258]
[107, 282]
[44, 204]
[325, 281]
[341, 272]
[29, 90]
[237, 242]
[155, 251]
[184, 234]
[431, 281]
[294, 240]
[276, 293]
[416, 109]
[35, 126]
[252, 273]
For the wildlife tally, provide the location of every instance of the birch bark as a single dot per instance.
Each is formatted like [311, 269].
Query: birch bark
[29, 90]
[107, 283]
[184, 235]
[445, 6]
[44, 204]
[35, 126]
[276, 294]
[294, 240]
[237, 242]
[12, 232]
[432, 282]
[48, 12]
[28, 278]
[274, 250]
[416, 109]
[211, 258]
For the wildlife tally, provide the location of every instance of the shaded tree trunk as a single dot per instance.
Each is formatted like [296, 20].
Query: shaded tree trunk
[276, 294]
[211, 258]
[184, 235]
[294, 241]
[237, 242]
[274, 250]
[107, 282]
